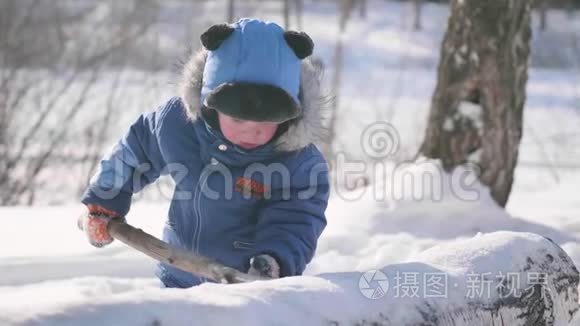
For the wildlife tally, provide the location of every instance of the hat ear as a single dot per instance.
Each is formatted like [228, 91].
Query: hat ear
[215, 36]
[300, 43]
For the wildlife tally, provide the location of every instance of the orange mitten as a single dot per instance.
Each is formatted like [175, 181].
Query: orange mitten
[95, 225]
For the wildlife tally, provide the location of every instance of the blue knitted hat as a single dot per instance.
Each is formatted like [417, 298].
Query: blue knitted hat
[252, 70]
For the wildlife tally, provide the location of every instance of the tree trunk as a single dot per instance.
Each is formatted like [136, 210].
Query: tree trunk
[346, 7]
[500, 278]
[543, 14]
[510, 278]
[570, 9]
[363, 9]
[231, 11]
[477, 107]
[299, 13]
[417, 6]
[286, 13]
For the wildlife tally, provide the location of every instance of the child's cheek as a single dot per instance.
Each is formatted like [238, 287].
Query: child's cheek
[230, 134]
[269, 133]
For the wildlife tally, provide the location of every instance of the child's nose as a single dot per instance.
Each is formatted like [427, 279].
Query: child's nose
[256, 133]
[254, 129]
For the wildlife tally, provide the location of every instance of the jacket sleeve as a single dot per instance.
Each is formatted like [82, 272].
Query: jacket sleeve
[134, 162]
[288, 226]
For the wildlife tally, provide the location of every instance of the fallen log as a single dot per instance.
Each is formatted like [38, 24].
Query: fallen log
[500, 278]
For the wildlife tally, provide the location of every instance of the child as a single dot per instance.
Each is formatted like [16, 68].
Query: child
[251, 188]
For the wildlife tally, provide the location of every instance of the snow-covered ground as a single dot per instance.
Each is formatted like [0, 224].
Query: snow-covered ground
[326, 299]
[49, 274]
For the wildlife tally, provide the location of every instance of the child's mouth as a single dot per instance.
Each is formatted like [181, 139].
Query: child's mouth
[248, 145]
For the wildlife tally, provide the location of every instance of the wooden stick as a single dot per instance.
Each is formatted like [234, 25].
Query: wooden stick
[179, 258]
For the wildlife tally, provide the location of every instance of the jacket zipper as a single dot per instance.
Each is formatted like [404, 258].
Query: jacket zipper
[243, 244]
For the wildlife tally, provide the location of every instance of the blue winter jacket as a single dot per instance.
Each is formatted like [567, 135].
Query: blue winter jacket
[228, 203]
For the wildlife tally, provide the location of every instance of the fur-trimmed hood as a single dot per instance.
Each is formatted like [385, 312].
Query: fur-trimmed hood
[306, 129]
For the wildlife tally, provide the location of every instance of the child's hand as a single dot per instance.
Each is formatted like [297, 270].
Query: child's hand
[264, 265]
[95, 225]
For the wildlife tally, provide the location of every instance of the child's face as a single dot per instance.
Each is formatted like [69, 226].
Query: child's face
[245, 133]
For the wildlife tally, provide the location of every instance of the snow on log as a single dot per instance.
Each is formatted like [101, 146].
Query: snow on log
[500, 278]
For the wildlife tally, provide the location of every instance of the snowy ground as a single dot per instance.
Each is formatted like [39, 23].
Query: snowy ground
[51, 276]
[299, 300]
[49, 273]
